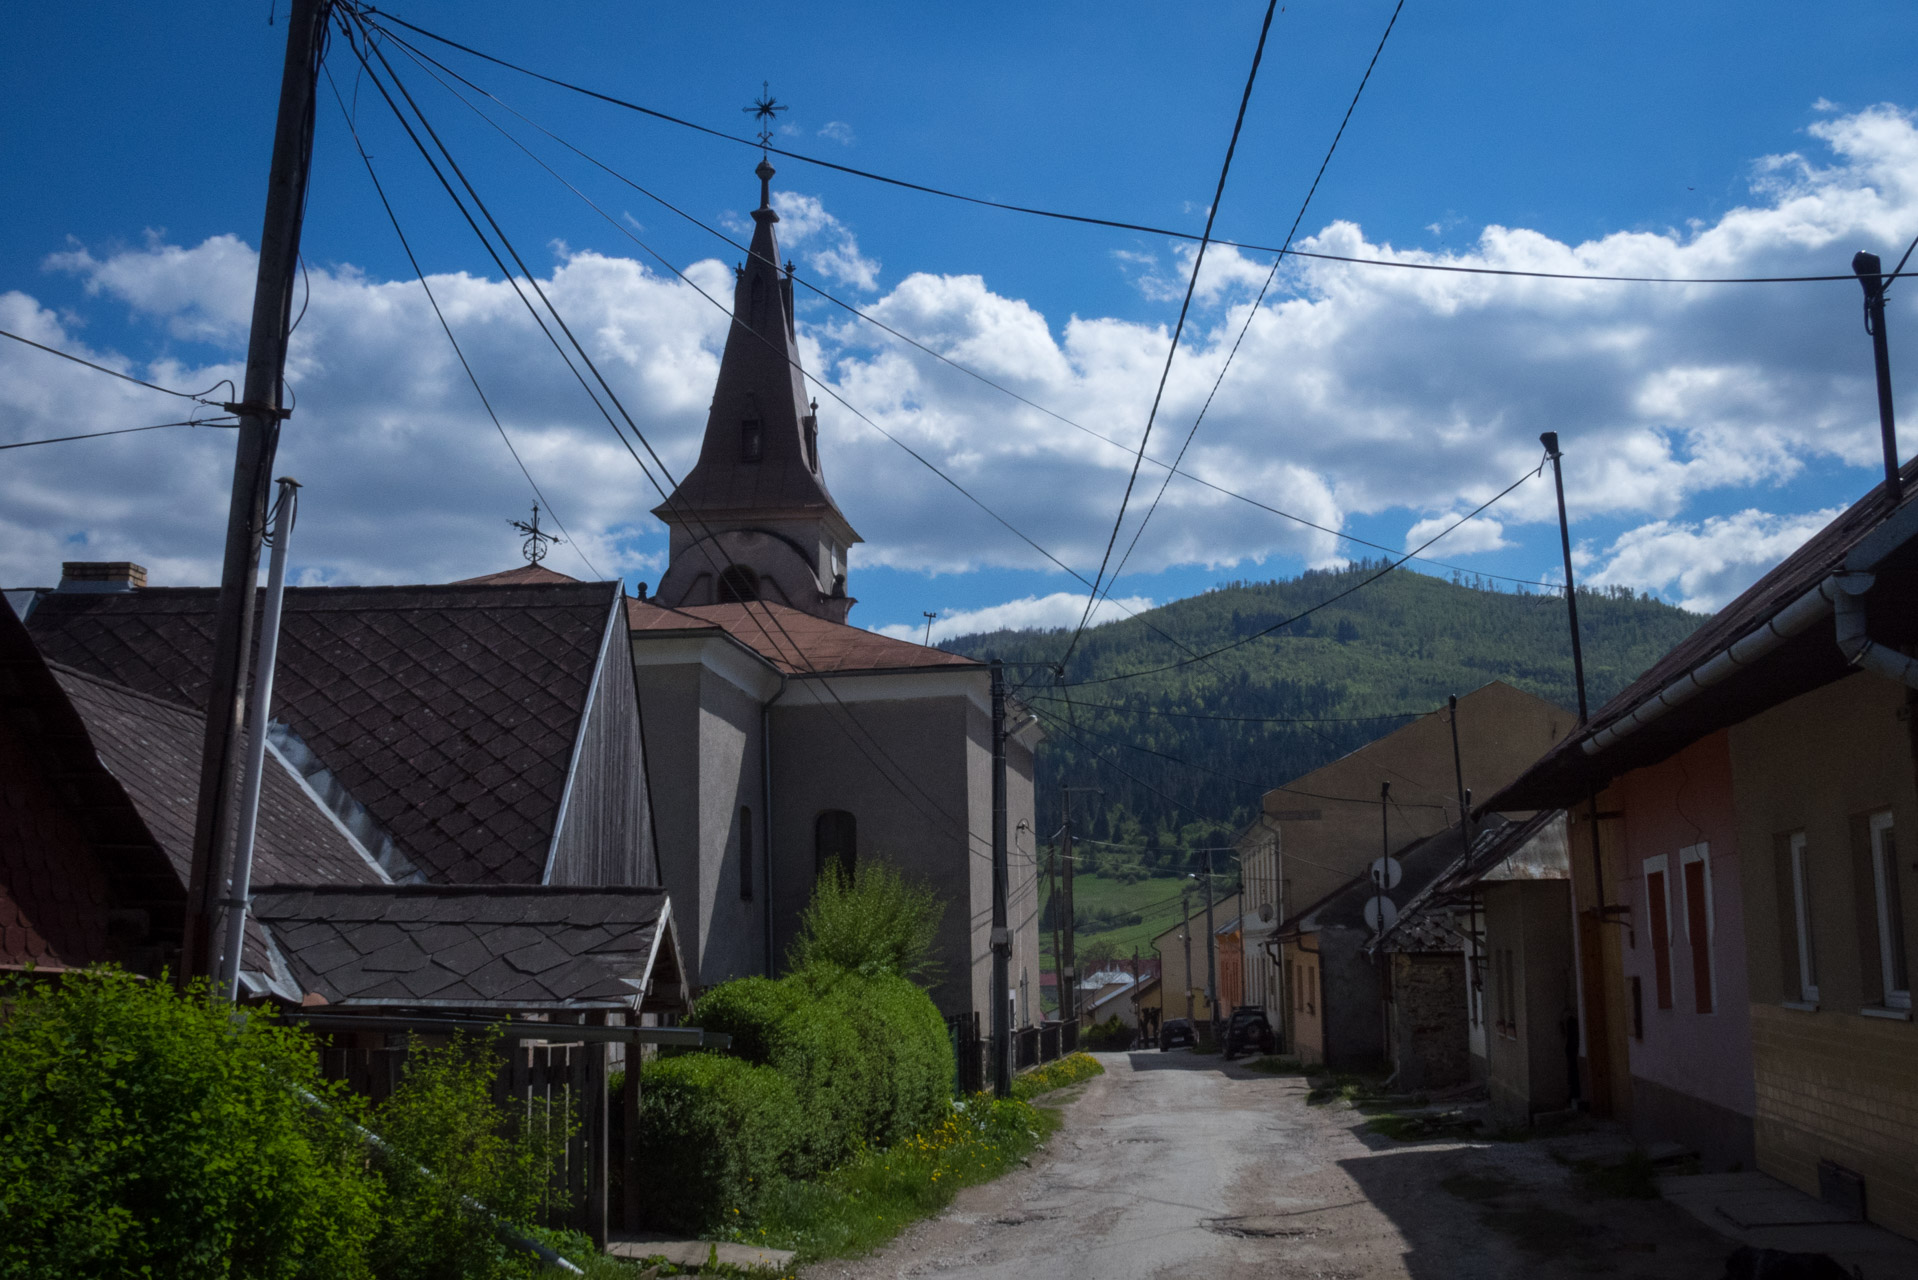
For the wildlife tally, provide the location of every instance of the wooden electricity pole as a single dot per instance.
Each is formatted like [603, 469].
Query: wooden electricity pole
[260, 413]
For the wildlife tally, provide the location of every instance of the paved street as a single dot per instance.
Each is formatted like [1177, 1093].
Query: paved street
[1176, 1165]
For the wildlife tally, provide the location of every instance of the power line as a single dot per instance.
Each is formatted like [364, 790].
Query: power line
[447, 329]
[123, 431]
[198, 397]
[1194, 715]
[429, 63]
[1264, 288]
[1086, 219]
[1178, 330]
[1330, 600]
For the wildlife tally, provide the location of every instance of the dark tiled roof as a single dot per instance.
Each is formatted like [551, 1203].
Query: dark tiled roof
[794, 642]
[1344, 907]
[1804, 663]
[519, 576]
[498, 948]
[450, 712]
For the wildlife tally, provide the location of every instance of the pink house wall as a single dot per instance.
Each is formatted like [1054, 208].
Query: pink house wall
[1692, 1078]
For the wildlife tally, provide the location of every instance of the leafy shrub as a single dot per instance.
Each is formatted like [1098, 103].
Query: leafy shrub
[871, 921]
[1113, 1033]
[144, 1132]
[714, 1134]
[447, 1147]
[910, 1053]
[1057, 1074]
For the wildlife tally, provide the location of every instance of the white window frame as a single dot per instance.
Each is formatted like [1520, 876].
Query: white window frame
[1888, 937]
[1801, 915]
[1700, 853]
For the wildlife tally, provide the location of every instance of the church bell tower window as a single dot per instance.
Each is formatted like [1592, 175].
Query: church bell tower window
[752, 440]
[738, 585]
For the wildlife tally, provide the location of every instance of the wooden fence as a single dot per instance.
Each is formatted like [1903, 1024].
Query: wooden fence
[1031, 1046]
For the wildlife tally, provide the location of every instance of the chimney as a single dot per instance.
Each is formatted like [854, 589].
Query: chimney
[101, 576]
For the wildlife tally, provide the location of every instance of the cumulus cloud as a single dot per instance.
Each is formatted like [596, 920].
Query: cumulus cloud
[1706, 563]
[1481, 533]
[837, 131]
[1359, 391]
[1057, 611]
[826, 245]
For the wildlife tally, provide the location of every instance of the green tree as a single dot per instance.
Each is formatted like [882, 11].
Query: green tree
[148, 1133]
[872, 921]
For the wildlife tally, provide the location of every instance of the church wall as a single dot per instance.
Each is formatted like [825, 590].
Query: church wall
[919, 825]
[732, 928]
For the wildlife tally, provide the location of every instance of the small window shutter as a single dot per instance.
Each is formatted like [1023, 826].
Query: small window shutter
[1661, 938]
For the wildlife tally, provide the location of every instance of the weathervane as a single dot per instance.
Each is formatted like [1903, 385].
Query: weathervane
[765, 110]
[534, 548]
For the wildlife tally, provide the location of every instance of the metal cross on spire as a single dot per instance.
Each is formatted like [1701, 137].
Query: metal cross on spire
[534, 548]
[765, 111]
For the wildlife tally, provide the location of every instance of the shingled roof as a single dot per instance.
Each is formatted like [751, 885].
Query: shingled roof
[494, 948]
[449, 712]
[795, 642]
[1801, 663]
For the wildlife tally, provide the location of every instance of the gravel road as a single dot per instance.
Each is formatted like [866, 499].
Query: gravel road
[1176, 1165]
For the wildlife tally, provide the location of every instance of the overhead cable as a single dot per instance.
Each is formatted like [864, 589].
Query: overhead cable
[198, 397]
[122, 431]
[1086, 219]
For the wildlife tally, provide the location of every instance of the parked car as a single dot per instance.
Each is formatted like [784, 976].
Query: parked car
[1177, 1032]
[1248, 1031]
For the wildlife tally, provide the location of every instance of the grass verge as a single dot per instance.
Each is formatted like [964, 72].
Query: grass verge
[1275, 1066]
[873, 1196]
[1057, 1074]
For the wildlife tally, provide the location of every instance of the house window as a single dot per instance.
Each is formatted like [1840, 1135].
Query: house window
[752, 440]
[835, 839]
[738, 585]
[1895, 981]
[1696, 874]
[1505, 992]
[745, 853]
[1804, 952]
[1658, 914]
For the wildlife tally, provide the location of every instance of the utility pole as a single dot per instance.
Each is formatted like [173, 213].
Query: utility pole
[1870, 274]
[1592, 942]
[1185, 932]
[1069, 975]
[1058, 965]
[1211, 957]
[1001, 936]
[1458, 775]
[260, 417]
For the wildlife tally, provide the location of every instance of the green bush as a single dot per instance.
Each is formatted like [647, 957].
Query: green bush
[1113, 1033]
[146, 1133]
[905, 1042]
[714, 1134]
[872, 921]
[448, 1147]
[1056, 1074]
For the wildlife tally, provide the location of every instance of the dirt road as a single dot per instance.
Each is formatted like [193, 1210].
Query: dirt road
[1174, 1165]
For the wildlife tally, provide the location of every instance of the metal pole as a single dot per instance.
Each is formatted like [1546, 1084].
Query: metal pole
[1458, 775]
[260, 416]
[1211, 957]
[1058, 964]
[285, 512]
[1870, 275]
[1001, 936]
[1550, 440]
[1185, 906]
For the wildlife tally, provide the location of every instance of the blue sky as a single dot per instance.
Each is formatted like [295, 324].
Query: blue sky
[1706, 429]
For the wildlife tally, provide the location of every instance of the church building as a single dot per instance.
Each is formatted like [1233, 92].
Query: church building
[781, 737]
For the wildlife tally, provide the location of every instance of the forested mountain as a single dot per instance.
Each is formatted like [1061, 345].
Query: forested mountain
[1183, 748]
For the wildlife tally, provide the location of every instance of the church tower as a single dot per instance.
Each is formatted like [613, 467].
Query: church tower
[753, 519]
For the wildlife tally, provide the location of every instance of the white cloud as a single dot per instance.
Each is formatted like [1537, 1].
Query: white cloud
[831, 250]
[1481, 533]
[1060, 610]
[1706, 564]
[1359, 391]
[838, 131]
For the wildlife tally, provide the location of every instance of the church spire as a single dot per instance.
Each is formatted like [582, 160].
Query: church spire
[758, 480]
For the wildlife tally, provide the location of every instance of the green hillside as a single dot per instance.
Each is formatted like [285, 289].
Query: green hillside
[1183, 754]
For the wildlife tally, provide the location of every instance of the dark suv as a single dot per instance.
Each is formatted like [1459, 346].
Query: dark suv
[1247, 1031]
[1177, 1032]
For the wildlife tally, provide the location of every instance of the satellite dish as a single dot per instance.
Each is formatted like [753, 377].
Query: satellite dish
[1265, 911]
[1386, 873]
[1380, 914]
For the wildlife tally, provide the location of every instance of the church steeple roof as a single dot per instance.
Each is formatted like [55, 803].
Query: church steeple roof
[760, 456]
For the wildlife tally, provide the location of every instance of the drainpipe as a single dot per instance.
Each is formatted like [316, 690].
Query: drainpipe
[766, 807]
[1848, 607]
[259, 707]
